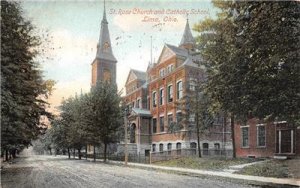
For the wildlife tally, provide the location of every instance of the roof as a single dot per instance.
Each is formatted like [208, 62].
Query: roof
[177, 50]
[187, 37]
[141, 111]
[140, 74]
[136, 75]
[104, 50]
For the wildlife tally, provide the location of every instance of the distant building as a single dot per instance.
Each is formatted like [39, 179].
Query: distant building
[154, 98]
[260, 139]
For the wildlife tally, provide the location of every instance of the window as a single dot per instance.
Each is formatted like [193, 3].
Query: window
[217, 149]
[153, 147]
[193, 146]
[245, 136]
[193, 84]
[179, 90]
[170, 93]
[161, 96]
[170, 68]
[178, 148]
[154, 125]
[107, 75]
[178, 117]
[138, 103]
[205, 148]
[169, 147]
[170, 119]
[154, 99]
[261, 135]
[161, 123]
[192, 118]
[162, 72]
[161, 147]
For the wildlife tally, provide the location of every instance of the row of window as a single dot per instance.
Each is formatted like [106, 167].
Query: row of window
[260, 136]
[193, 145]
[162, 120]
[169, 98]
[164, 71]
[169, 146]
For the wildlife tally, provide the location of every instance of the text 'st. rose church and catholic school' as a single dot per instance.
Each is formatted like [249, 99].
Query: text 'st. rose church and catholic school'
[154, 97]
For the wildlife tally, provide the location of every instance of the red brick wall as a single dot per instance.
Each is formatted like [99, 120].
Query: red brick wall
[253, 149]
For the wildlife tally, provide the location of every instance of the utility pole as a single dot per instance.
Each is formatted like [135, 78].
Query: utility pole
[126, 146]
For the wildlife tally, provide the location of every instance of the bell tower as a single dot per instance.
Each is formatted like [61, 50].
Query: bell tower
[104, 65]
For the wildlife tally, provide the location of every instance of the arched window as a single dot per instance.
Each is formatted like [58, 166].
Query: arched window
[107, 75]
[169, 147]
[154, 147]
[132, 133]
[178, 148]
[205, 148]
[193, 147]
[161, 147]
[217, 148]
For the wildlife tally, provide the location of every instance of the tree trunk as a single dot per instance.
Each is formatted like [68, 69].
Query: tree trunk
[50, 151]
[94, 153]
[13, 152]
[69, 154]
[74, 153]
[198, 135]
[105, 149]
[86, 148]
[232, 136]
[79, 154]
[6, 155]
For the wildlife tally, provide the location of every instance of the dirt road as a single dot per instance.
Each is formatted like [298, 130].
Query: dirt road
[59, 172]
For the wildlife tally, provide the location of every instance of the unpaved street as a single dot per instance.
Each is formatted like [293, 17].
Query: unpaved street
[49, 171]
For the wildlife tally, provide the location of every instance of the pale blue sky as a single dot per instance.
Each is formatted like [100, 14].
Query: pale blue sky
[74, 28]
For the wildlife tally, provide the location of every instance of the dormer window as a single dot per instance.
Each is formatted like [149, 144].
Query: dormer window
[162, 72]
[170, 68]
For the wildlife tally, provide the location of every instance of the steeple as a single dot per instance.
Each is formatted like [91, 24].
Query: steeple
[104, 66]
[187, 40]
[104, 50]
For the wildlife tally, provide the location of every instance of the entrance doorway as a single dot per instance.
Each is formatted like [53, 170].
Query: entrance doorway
[285, 141]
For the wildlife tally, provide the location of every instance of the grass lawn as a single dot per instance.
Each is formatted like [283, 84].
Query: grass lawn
[204, 163]
[274, 168]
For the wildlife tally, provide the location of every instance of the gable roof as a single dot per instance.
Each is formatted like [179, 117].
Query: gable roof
[174, 50]
[136, 75]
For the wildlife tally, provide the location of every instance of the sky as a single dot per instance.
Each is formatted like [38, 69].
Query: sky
[72, 30]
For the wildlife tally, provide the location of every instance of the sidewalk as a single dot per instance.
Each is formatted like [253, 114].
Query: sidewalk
[224, 174]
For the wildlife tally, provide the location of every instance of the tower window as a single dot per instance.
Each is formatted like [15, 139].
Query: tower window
[179, 90]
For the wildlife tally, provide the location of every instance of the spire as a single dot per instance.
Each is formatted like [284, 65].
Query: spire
[104, 50]
[187, 38]
[104, 14]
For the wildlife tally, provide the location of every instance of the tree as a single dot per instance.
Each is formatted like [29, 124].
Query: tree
[105, 114]
[195, 116]
[252, 56]
[23, 90]
[251, 74]
[199, 105]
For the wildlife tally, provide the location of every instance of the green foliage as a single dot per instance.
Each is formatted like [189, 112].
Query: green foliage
[94, 118]
[23, 90]
[272, 168]
[105, 112]
[252, 57]
[203, 163]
